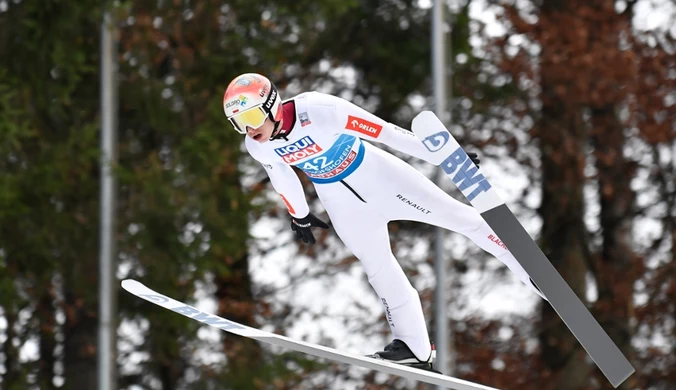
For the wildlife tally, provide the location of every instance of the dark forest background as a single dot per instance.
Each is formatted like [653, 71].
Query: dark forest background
[577, 96]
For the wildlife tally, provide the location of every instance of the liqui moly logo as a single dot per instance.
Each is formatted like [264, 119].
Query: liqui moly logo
[303, 148]
[363, 126]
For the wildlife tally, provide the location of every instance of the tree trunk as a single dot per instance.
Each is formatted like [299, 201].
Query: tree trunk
[616, 74]
[564, 241]
[614, 270]
[12, 378]
[562, 139]
[236, 302]
[47, 329]
[80, 342]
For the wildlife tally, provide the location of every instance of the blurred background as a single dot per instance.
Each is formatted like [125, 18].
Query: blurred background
[570, 104]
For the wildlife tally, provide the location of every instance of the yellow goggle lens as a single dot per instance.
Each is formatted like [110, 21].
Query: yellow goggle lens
[253, 117]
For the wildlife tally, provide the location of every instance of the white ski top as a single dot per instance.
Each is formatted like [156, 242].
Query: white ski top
[326, 143]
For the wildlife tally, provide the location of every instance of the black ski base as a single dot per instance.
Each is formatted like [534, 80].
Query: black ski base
[422, 366]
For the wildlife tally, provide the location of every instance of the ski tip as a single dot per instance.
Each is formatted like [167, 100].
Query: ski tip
[427, 114]
[128, 284]
[425, 122]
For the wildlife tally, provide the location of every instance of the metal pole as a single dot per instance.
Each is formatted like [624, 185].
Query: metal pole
[443, 334]
[107, 367]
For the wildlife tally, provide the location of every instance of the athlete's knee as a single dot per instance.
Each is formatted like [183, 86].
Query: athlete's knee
[376, 265]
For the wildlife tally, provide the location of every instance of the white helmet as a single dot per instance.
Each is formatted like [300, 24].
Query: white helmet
[249, 99]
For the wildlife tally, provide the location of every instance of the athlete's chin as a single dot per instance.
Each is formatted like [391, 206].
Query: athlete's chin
[260, 138]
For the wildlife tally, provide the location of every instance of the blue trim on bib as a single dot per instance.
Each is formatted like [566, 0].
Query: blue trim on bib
[355, 164]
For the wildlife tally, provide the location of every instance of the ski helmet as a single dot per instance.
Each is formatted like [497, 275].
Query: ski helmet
[250, 99]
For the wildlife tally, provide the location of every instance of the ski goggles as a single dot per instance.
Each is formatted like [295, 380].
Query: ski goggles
[253, 117]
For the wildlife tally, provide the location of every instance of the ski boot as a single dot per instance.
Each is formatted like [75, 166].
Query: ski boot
[398, 352]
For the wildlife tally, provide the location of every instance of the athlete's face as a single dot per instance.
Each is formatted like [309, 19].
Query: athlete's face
[263, 133]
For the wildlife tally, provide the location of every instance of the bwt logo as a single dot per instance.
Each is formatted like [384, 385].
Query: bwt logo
[435, 142]
[206, 318]
[467, 175]
[303, 148]
[194, 313]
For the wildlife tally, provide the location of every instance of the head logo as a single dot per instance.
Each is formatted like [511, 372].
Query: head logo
[271, 99]
[263, 91]
[245, 82]
[435, 142]
[243, 99]
[363, 126]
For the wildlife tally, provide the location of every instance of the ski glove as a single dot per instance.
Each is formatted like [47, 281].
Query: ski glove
[302, 227]
[475, 158]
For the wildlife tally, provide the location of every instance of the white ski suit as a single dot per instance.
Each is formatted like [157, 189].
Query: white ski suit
[362, 189]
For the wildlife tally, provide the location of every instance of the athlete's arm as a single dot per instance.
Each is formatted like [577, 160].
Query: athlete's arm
[287, 184]
[356, 121]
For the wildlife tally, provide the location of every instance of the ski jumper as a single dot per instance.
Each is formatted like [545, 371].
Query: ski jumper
[363, 188]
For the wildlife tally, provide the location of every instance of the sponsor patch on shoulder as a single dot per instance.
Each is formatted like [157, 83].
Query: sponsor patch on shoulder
[363, 126]
[304, 119]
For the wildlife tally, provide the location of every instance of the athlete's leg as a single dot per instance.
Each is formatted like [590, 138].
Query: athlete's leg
[364, 231]
[412, 196]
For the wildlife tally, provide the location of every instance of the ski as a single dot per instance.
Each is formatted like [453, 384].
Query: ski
[479, 192]
[215, 321]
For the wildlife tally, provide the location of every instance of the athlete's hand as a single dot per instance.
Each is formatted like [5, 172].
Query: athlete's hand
[302, 227]
[475, 158]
